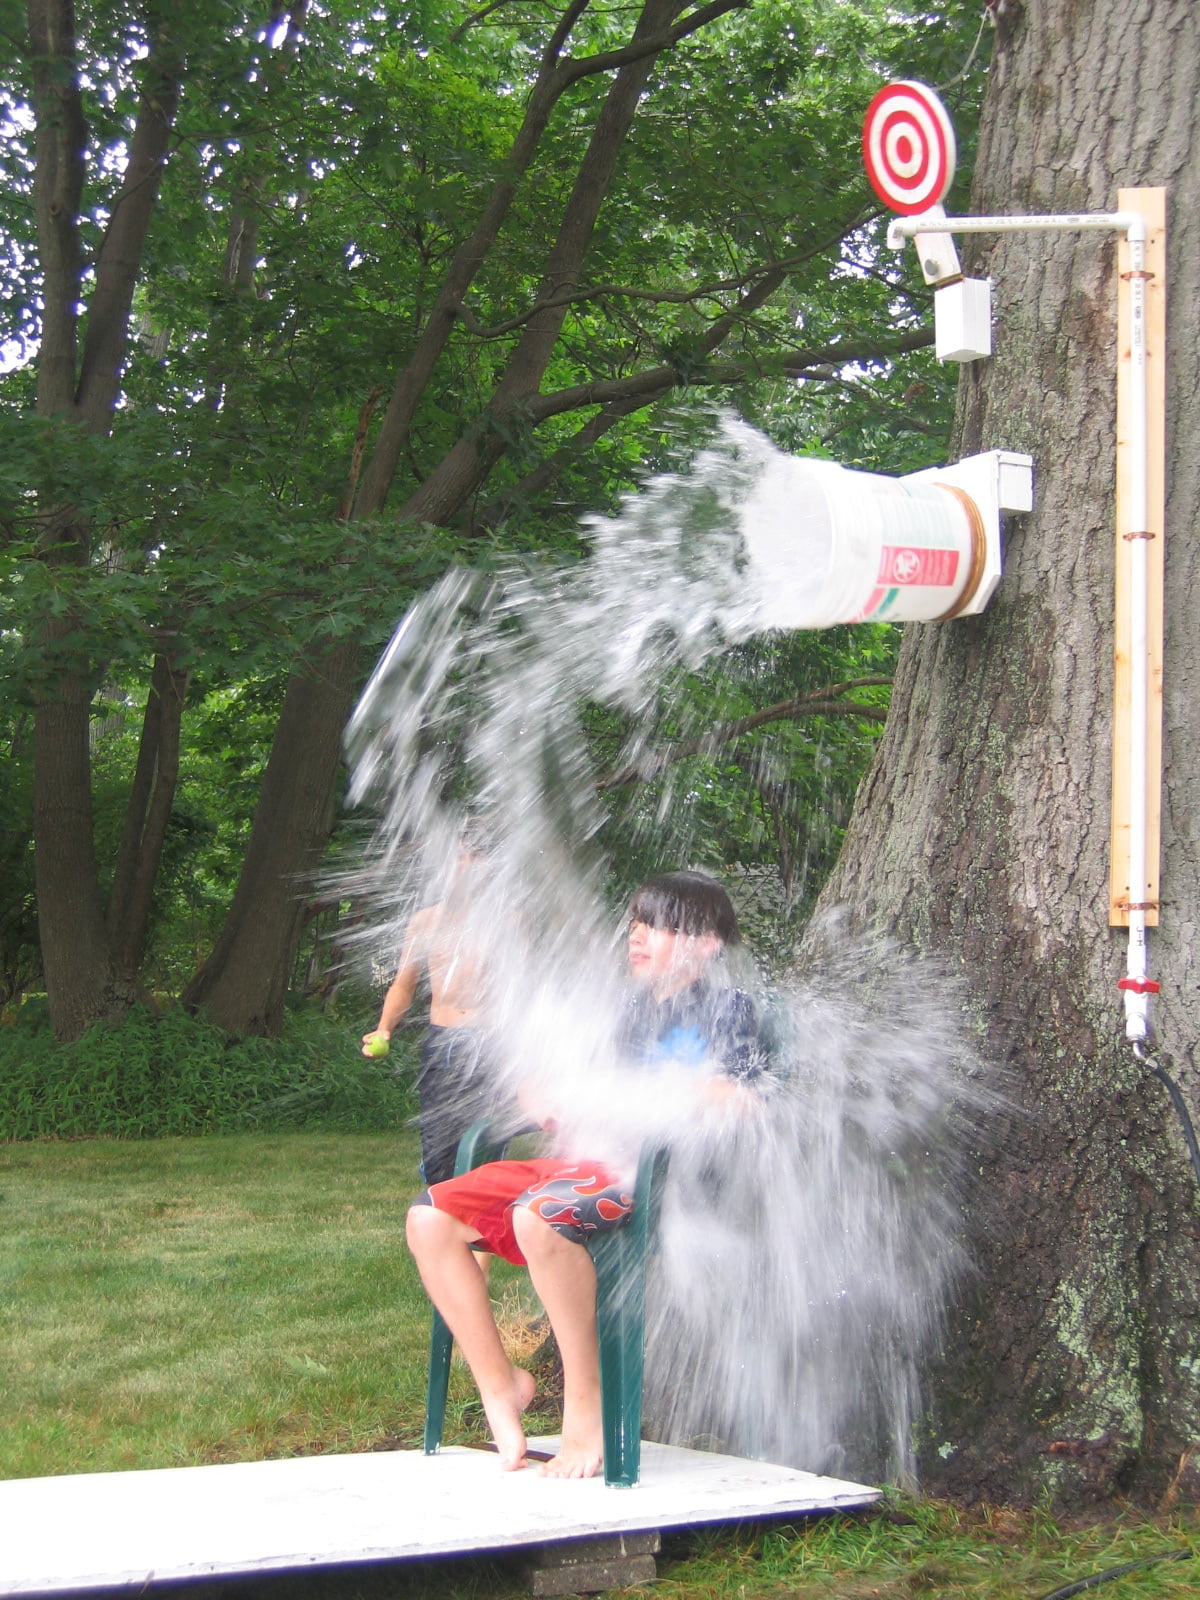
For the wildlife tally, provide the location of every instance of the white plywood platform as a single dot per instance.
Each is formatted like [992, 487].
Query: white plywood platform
[108, 1529]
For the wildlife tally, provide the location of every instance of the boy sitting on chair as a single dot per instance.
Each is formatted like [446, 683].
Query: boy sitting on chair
[541, 1212]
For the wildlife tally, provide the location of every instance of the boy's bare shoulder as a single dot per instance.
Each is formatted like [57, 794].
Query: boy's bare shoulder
[421, 927]
[432, 924]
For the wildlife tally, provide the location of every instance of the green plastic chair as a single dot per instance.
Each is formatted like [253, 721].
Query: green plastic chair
[620, 1261]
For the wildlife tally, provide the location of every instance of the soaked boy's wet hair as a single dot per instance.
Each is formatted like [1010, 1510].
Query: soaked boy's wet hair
[685, 902]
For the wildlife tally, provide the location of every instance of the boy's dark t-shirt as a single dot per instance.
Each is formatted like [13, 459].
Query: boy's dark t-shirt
[704, 1026]
[704, 1023]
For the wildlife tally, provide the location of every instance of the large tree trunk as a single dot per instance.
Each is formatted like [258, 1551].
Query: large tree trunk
[1072, 1364]
[147, 817]
[243, 985]
[73, 942]
[76, 960]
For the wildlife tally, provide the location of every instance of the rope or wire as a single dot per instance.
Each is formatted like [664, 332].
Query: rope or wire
[970, 61]
[1098, 1578]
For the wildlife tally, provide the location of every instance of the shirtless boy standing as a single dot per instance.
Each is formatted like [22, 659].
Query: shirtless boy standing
[453, 1075]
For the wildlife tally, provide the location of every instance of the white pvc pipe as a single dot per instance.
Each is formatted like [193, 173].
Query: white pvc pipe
[1137, 1000]
[1127, 222]
[1132, 224]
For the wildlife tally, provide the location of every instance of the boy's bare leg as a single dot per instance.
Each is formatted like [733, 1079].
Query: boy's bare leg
[565, 1280]
[441, 1246]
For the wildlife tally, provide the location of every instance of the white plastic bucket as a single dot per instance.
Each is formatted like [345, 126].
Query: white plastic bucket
[825, 545]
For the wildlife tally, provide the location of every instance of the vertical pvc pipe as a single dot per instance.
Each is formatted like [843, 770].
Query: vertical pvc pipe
[1137, 999]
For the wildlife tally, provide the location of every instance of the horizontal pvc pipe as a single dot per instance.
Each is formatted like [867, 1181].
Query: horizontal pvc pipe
[1127, 222]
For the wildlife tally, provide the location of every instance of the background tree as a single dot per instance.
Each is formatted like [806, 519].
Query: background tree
[232, 234]
[1072, 1365]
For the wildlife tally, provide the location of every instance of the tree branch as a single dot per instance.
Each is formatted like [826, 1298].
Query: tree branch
[763, 282]
[413, 378]
[619, 291]
[657, 381]
[476, 18]
[358, 450]
[825, 702]
[652, 43]
[541, 476]
[120, 256]
[874, 406]
[467, 464]
[59, 144]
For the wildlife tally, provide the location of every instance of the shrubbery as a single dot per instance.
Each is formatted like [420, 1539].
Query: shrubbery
[172, 1074]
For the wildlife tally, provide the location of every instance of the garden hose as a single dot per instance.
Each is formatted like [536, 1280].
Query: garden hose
[1177, 1100]
[1098, 1578]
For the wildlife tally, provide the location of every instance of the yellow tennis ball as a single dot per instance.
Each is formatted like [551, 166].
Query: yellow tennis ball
[377, 1045]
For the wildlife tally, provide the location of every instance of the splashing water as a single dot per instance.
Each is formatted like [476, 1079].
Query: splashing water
[845, 1188]
[804, 1251]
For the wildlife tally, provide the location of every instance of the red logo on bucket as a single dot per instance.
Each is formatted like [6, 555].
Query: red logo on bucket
[901, 564]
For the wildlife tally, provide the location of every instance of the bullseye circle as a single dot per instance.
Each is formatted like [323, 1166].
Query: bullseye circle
[908, 147]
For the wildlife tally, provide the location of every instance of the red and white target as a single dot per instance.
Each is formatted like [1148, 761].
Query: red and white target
[908, 147]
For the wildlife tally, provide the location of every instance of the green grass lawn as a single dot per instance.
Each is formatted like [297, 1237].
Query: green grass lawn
[177, 1301]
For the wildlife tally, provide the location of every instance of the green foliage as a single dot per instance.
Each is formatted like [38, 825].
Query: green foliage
[765, 809]
[214, 565]
[172, 1074]
[318, 185]
[225, 738]
[924, 1547]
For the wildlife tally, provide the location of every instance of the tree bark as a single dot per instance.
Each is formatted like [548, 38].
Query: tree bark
[119, 258]
[243, 985]
[58, 185]
[147, 816]
[75, 954]
[1072, 1366]
[70, 916]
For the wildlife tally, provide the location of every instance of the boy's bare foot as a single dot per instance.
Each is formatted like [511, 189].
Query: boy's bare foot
[577, 1458]
[526, 1387]
[503, 1412]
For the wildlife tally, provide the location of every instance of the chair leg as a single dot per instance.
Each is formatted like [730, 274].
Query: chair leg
[441, 1342]
[620, 1260]
[620, 1317]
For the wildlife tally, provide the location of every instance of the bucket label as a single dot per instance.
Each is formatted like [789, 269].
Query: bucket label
[877, 607]
[904, 565]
